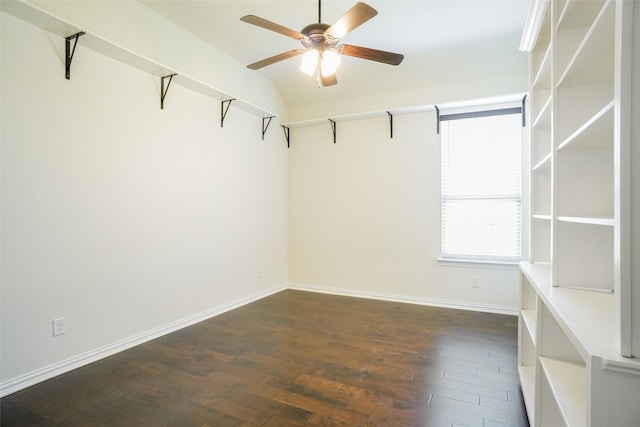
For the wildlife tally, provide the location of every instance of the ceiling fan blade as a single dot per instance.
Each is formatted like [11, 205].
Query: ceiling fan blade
[329, 80]
[261, 22]
[371, 54]
[275, 58]
[356, 16]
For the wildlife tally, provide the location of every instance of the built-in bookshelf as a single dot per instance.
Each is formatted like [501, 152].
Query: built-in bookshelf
[576, 332]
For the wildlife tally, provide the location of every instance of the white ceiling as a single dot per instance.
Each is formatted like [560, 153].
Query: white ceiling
[430, 33]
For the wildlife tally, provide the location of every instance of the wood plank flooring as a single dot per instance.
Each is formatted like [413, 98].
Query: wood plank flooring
[298, 359]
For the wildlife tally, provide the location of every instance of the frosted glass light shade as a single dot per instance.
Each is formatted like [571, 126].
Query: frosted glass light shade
[329, 63]
[310, 61]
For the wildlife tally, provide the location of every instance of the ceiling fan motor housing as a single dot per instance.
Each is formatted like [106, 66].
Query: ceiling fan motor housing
[315, 37]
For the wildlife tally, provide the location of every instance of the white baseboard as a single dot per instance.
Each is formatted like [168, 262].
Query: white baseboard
[43, 374]
[459, 305]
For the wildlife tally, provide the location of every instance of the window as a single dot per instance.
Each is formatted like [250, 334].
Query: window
[481, 185]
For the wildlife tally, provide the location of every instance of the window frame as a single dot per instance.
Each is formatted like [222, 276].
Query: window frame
[489, 110]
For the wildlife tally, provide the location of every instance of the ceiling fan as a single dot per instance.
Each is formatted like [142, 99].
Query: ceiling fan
[320, 43]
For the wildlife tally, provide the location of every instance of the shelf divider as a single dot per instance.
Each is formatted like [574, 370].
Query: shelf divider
[599, 127]
[568, 385]
[610, 222]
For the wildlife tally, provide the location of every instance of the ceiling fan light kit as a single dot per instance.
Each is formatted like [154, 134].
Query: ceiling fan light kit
[321, 53]
[309, 61]
[330, 62]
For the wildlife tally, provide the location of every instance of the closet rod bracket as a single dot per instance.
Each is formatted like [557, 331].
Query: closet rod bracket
[266, 121]
[163, 89]
[70, 51]
[224, 108]
[333, 129]
[287, 131]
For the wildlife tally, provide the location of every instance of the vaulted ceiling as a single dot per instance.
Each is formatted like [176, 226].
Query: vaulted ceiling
[442, 40]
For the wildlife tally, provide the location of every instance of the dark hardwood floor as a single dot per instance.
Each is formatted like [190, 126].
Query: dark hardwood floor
[298, 359]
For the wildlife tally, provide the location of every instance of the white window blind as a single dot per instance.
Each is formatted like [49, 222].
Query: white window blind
[481, 185]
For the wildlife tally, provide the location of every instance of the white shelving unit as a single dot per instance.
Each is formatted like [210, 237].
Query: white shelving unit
[576, 331]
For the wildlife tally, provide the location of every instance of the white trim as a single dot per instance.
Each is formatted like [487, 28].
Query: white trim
[479, 263]
[458, 305]
[23, 381]
[532, 25]
[620, 366]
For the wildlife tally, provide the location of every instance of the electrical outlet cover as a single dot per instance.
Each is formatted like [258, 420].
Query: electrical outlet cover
[59, 326]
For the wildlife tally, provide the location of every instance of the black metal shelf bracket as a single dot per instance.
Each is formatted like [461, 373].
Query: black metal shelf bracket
[437, 119]
[69, 52]
[163, 89]
[266, 121]
[287, 131]
[333, 129]
[524, 115]
[224, 108]
[390, 124]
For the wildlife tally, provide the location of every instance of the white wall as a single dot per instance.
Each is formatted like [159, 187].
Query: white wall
[364, 216]
[118, 215]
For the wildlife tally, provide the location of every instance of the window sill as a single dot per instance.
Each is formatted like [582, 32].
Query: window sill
[478, 263]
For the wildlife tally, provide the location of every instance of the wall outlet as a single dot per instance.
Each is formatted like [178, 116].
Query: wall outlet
[59, 326]
[475, 282]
